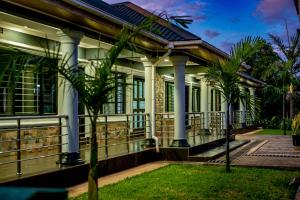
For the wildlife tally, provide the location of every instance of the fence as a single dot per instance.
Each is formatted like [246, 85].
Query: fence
[116, 134]
[28, 141]
[194, 125]
[216, 122]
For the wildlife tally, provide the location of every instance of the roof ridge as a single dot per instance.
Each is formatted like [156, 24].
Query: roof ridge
[173, 27]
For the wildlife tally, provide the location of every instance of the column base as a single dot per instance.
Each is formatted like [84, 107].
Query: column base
[180, 143]
[70, 159]
[150, 142]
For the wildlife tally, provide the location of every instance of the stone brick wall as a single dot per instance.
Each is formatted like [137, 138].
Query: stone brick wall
[118, 128]
[159, 93]
[33, 139]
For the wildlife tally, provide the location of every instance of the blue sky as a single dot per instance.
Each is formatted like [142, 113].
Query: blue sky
[224, 22]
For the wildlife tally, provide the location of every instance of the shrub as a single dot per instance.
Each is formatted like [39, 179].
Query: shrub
[288, 124]
[296, 124]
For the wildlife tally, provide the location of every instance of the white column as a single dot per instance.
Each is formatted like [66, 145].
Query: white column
[224, 109]
[213, 99]
[148, 96]
[179, 101]
[69, 102]
[204, 101]
[252, 96]
[242, 107]
[190, 103]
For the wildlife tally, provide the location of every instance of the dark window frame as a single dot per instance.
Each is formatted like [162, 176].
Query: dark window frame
[169, 98]
[39, 103]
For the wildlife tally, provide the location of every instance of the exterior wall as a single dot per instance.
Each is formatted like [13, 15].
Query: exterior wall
[160, 94]
[37, 140]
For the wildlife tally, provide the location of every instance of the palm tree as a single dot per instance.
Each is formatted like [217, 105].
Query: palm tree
[289, 53]
[224, 73]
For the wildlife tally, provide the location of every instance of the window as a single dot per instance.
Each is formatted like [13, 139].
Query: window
[117, 100]
[138, 107]
[196, 99]
[33, 92]
[169, 98]
[217, 100]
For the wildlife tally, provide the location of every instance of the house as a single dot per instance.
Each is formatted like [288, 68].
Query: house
[164, 79]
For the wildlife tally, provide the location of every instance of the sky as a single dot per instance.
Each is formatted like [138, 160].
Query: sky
[224, 22]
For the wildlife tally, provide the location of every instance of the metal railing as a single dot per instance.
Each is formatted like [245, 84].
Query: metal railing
[24, 140]
[216, 122]
[237, 119]
[194, 125]
[116, 134]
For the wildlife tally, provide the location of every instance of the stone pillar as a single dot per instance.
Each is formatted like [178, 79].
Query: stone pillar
[69, 101]
[252, 100]
[242, 108]
[204, 101]
[179, 101]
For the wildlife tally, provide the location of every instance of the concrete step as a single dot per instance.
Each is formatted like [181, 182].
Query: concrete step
[217, 151]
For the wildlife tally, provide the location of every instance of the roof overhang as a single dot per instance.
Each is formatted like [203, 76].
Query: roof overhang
[75, 13]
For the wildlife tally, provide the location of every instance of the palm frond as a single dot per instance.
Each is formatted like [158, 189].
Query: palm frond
[277, 41]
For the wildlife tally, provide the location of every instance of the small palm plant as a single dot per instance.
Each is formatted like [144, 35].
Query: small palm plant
[225, 74]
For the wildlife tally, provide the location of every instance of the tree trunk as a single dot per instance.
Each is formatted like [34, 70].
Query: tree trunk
[283, 113]
[291, 106]
[227, 139]
[93, 171]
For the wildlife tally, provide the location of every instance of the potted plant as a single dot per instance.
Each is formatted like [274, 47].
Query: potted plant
[296, 130]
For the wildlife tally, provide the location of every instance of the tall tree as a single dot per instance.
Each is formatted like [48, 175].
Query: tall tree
[225, 75]
[289, 53]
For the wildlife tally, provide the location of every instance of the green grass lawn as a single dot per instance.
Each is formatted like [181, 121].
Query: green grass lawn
[273, 132]
[203, 182]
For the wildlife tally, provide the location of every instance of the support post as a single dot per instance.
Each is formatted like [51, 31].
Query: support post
[68, 97]
[242, 108]
[204, 104]
[252, 110]
[149, 87]
[179, 63]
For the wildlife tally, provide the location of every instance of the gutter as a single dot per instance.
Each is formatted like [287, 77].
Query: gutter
[251, 78]
[191, 44]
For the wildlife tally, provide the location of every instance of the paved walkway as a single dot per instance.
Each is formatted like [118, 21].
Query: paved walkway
[265, 151]
[116, 177]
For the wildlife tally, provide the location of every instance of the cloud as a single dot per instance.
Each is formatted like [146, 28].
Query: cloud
[211, 34]
[194, 8]
[273, 11]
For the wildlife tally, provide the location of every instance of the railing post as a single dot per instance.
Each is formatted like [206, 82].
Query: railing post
[106, 141]
[19, 172]
[60, 140]
[161, 129]
[127, 134]
[168, 136]
[194, 127]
